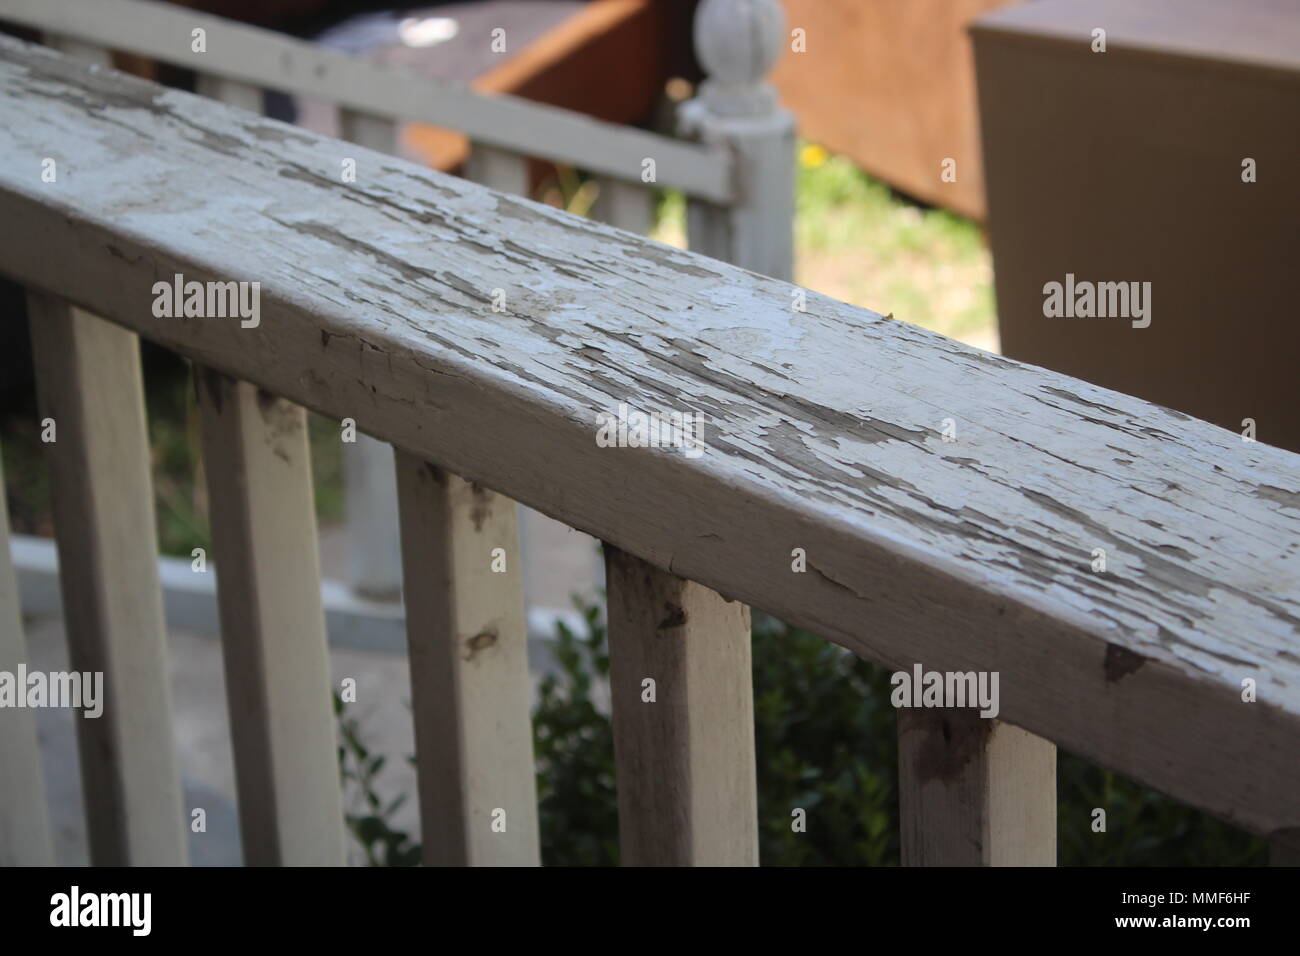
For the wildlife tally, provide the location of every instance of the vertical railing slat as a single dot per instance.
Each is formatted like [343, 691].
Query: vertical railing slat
[499, 169]
[628, 206]
[231, 92]
[974, 791]
[258, 469]
[685, 760]
[80, 50]
[24, 817]
[272, 618]
[89, 382]
[469, 669]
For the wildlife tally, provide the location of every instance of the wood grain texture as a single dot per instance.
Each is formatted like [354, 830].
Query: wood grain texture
[468, 645]
[824, 427]
[258, 468]
[259, 57]
[685, 760]
[88, 382]
[974, 791]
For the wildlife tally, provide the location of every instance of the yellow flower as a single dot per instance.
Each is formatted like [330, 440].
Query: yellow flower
[812, 156]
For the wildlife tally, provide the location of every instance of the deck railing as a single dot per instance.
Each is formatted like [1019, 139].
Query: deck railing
[735, 169]
[919, 502]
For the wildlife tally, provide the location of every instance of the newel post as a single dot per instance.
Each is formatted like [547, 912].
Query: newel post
[737, 43]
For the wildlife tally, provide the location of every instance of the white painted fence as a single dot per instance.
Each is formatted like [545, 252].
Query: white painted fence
[738, 173]
[827, 494]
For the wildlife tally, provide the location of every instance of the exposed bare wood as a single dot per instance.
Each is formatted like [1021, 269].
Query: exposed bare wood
[469, 669]
[88, 380]
[262, 58]
[24, 821]
[258, 469]
[683, 707]
[974, 791]
[824, 427]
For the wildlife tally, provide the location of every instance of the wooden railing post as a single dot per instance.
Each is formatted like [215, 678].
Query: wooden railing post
[258, 467]
[89, 384]
[24, 818]
[681, 689]
[469, 669]
[974, 791]
[738, 42]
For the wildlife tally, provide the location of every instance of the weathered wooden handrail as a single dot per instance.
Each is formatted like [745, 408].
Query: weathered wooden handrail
[749, 226]
[825, 432]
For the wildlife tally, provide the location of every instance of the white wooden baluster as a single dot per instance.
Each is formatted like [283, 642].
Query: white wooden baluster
[469, 669]
[685, 759]
[258, 468]
[626, 205]
[231, 92]
[79, 50]
[498, 168]
[370, 483]
[738, 42]
[686, 763]
[24, 819]
[88, 380]
[272, 621]
[974, 791]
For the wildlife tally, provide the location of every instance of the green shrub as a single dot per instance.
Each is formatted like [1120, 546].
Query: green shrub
[574, 746]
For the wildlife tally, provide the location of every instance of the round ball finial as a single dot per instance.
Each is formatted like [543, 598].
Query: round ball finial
[738, 42]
